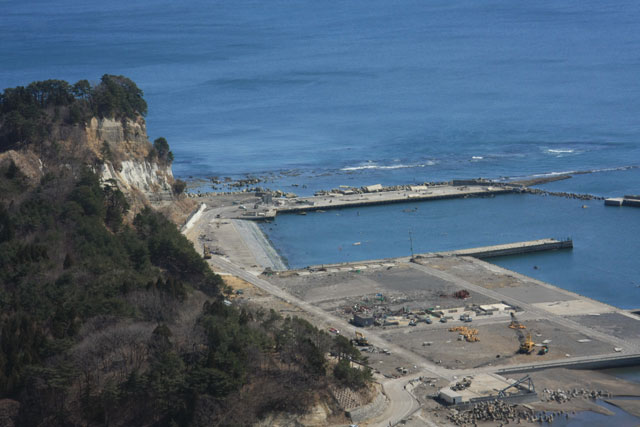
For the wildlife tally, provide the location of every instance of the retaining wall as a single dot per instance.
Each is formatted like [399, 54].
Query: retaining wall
[601, 363]
[370, 410]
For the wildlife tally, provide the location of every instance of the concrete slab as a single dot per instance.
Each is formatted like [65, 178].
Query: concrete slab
[353, 287]
[622, 326]
[485, 385]
[408, 280]
[533, 294]
[574, 307]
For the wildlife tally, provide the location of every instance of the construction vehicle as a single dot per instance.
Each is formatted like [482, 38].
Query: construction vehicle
[469, 334]
[515, 324]
[526, 343]
[206, 252]
[360, 340]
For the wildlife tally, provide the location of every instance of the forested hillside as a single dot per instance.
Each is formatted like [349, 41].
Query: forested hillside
[108, 321]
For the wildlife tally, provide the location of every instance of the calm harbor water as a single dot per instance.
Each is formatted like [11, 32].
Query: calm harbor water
[602, 265]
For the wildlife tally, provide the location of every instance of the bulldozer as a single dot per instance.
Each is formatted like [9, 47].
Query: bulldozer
[515, 324]
[206, 252]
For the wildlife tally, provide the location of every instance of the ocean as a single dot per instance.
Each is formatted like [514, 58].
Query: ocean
[313, 95]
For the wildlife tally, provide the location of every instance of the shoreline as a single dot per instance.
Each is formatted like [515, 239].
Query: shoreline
[259, 245]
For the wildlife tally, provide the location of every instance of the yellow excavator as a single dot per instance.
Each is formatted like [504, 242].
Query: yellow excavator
[515, 324]
[526, 343]
[469, 334]
[360, 340]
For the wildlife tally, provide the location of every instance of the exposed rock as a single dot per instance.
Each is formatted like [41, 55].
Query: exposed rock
[117, 150]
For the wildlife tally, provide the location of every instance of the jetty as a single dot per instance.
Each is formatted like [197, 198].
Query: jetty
[633, 201]
[265, 207]
[517, 248]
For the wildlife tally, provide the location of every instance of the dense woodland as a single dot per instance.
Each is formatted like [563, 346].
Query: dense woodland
[108, 322]
[29, 114]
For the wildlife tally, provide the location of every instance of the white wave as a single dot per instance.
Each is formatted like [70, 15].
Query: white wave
[386, 167]
[574, 172]
[543, 175]
[477, 158]
[619, 168]
[560, 151]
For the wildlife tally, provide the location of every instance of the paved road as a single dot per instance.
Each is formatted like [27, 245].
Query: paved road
[402, 403]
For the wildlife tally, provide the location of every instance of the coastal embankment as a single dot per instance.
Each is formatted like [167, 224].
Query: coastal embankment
[264, 253]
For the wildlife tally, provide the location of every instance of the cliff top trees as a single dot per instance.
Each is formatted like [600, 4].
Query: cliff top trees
[27, 112]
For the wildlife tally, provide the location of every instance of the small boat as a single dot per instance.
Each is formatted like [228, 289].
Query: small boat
[357, 243]
[302, 213]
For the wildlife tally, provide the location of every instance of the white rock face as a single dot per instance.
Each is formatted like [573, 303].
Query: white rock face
[142, 175]
[134, 173]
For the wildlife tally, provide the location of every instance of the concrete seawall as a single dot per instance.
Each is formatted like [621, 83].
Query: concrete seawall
[594, 362]
[513, 248]
[371, 410]
[516, 248]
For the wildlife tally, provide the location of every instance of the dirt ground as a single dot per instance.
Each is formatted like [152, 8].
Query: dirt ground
[495, 339]
[401, 286]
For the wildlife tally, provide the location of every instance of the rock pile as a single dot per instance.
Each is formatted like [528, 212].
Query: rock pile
[562, 396]
[562, 194]
[495, 411]
[501, 413]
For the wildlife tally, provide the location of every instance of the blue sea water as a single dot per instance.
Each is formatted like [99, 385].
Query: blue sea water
[362, 91]
[314, 95]
[602, 264]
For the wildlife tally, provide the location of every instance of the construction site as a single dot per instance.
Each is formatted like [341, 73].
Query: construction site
[448, 335]
[431, 308]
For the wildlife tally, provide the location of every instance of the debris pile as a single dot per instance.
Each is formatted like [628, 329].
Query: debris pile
[562, 396]
[461, 294]
[496, 410]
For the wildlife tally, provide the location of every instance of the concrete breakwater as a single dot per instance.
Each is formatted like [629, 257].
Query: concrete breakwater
[512, 248]
[633, 201]
[515, 248]
[338, 201]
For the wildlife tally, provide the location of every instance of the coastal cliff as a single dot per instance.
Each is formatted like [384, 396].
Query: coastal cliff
[117, 150]
[109, 315]
[52, 127]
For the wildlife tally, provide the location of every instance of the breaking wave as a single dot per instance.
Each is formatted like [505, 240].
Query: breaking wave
[386, 167]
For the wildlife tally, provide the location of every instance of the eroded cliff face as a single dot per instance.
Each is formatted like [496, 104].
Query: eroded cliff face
[124, 149]
[116, 150]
